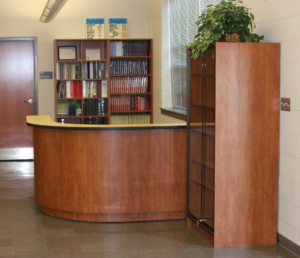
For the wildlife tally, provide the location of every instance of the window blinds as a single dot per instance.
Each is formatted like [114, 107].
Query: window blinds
[183, 28]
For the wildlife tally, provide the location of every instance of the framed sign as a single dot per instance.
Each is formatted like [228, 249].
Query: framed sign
[118, 28]
[67, 53]
[95, 28]
[92, 54]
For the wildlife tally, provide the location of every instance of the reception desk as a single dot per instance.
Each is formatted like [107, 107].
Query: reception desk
[110, 173]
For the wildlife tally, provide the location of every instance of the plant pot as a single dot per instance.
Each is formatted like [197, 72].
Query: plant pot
[230, 36]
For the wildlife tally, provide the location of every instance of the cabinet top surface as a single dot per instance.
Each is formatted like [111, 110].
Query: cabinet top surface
[45, 121]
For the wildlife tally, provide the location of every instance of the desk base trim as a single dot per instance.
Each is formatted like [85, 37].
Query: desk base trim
[124, 217]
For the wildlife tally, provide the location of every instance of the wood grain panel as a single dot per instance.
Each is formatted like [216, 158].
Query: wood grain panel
[121, 217]
[111, 172]
[247, 134]
[16, 86]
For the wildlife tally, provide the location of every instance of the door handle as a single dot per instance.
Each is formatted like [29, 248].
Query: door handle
[30, 101]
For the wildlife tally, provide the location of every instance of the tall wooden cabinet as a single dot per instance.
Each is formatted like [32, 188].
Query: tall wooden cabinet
[103, 81]
[233, 143]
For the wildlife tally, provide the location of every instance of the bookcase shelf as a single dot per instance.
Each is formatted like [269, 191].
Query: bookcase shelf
[94, 60]
[126, 75]
[94, 116]
[62, 117]
[131, 111]
[130, 57]
[141, 93]
[72, 93]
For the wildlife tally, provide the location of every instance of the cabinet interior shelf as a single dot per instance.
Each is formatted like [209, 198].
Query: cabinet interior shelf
[207, 186]
[203, 75]
[209, 131]
[204, 107]
[207, 163]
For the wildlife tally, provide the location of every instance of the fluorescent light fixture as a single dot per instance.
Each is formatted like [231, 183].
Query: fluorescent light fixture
[51, 10]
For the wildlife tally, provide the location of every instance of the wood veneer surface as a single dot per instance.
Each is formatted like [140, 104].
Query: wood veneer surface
[247, 135]
[136, 172]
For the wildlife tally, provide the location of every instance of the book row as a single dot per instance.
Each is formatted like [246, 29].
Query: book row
[94, 70]
[130, 119]
[92, 89]
[129, 48]
[69, 108]
[88, 89]
[95, 107]
[129, 84]
[95, 120]
[69, 89]
[68, 71]
[128, 67]
[123, 103]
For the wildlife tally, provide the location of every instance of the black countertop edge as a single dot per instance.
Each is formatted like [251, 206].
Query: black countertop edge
[109, 128]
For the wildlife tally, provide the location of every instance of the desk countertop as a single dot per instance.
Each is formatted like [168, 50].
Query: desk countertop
[45, 121]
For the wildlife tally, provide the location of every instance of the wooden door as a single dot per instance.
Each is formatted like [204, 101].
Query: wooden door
[17, 80]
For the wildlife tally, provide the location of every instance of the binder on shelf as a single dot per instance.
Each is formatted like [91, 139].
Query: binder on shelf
[130, 119]
[66, 71]
[104, 89]
[129, 48]
[77, 107]
[62, 108]
[99, 90]
[95, 107]
[71, 108]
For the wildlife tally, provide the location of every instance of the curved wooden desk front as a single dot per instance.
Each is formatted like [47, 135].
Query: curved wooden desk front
[109, 173]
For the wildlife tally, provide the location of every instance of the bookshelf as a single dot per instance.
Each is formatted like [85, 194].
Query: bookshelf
[103, 81]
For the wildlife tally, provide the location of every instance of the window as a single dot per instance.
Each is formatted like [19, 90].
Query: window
[183, 28]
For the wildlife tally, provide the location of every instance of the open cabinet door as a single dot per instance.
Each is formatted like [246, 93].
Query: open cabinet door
[201, 141]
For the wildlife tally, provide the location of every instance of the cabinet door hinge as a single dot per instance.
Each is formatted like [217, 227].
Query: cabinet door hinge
[200, 221]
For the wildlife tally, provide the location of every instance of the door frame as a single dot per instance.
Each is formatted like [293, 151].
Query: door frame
[34, 40]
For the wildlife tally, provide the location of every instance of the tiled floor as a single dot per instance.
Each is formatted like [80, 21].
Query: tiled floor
[26, 232]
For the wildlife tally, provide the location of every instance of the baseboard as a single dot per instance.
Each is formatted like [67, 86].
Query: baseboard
[288, 244]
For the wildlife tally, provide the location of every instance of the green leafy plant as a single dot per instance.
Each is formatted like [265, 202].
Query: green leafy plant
[216, 20]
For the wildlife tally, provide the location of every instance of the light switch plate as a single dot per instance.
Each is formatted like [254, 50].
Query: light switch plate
[285, 104]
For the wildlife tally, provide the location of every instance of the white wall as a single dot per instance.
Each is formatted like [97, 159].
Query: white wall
[158, 28]
[279, 21]
[20, 18]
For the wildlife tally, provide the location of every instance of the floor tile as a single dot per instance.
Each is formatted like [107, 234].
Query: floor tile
[6, 234]
[6, 250]
[25, 232]
[97, 247]
[31, 249]
[6, 242]
[65, 232]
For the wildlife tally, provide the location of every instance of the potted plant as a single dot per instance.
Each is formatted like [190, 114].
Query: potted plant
[226, 21]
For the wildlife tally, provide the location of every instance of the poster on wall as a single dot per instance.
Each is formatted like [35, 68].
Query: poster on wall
[118, 28]
[95, 28]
